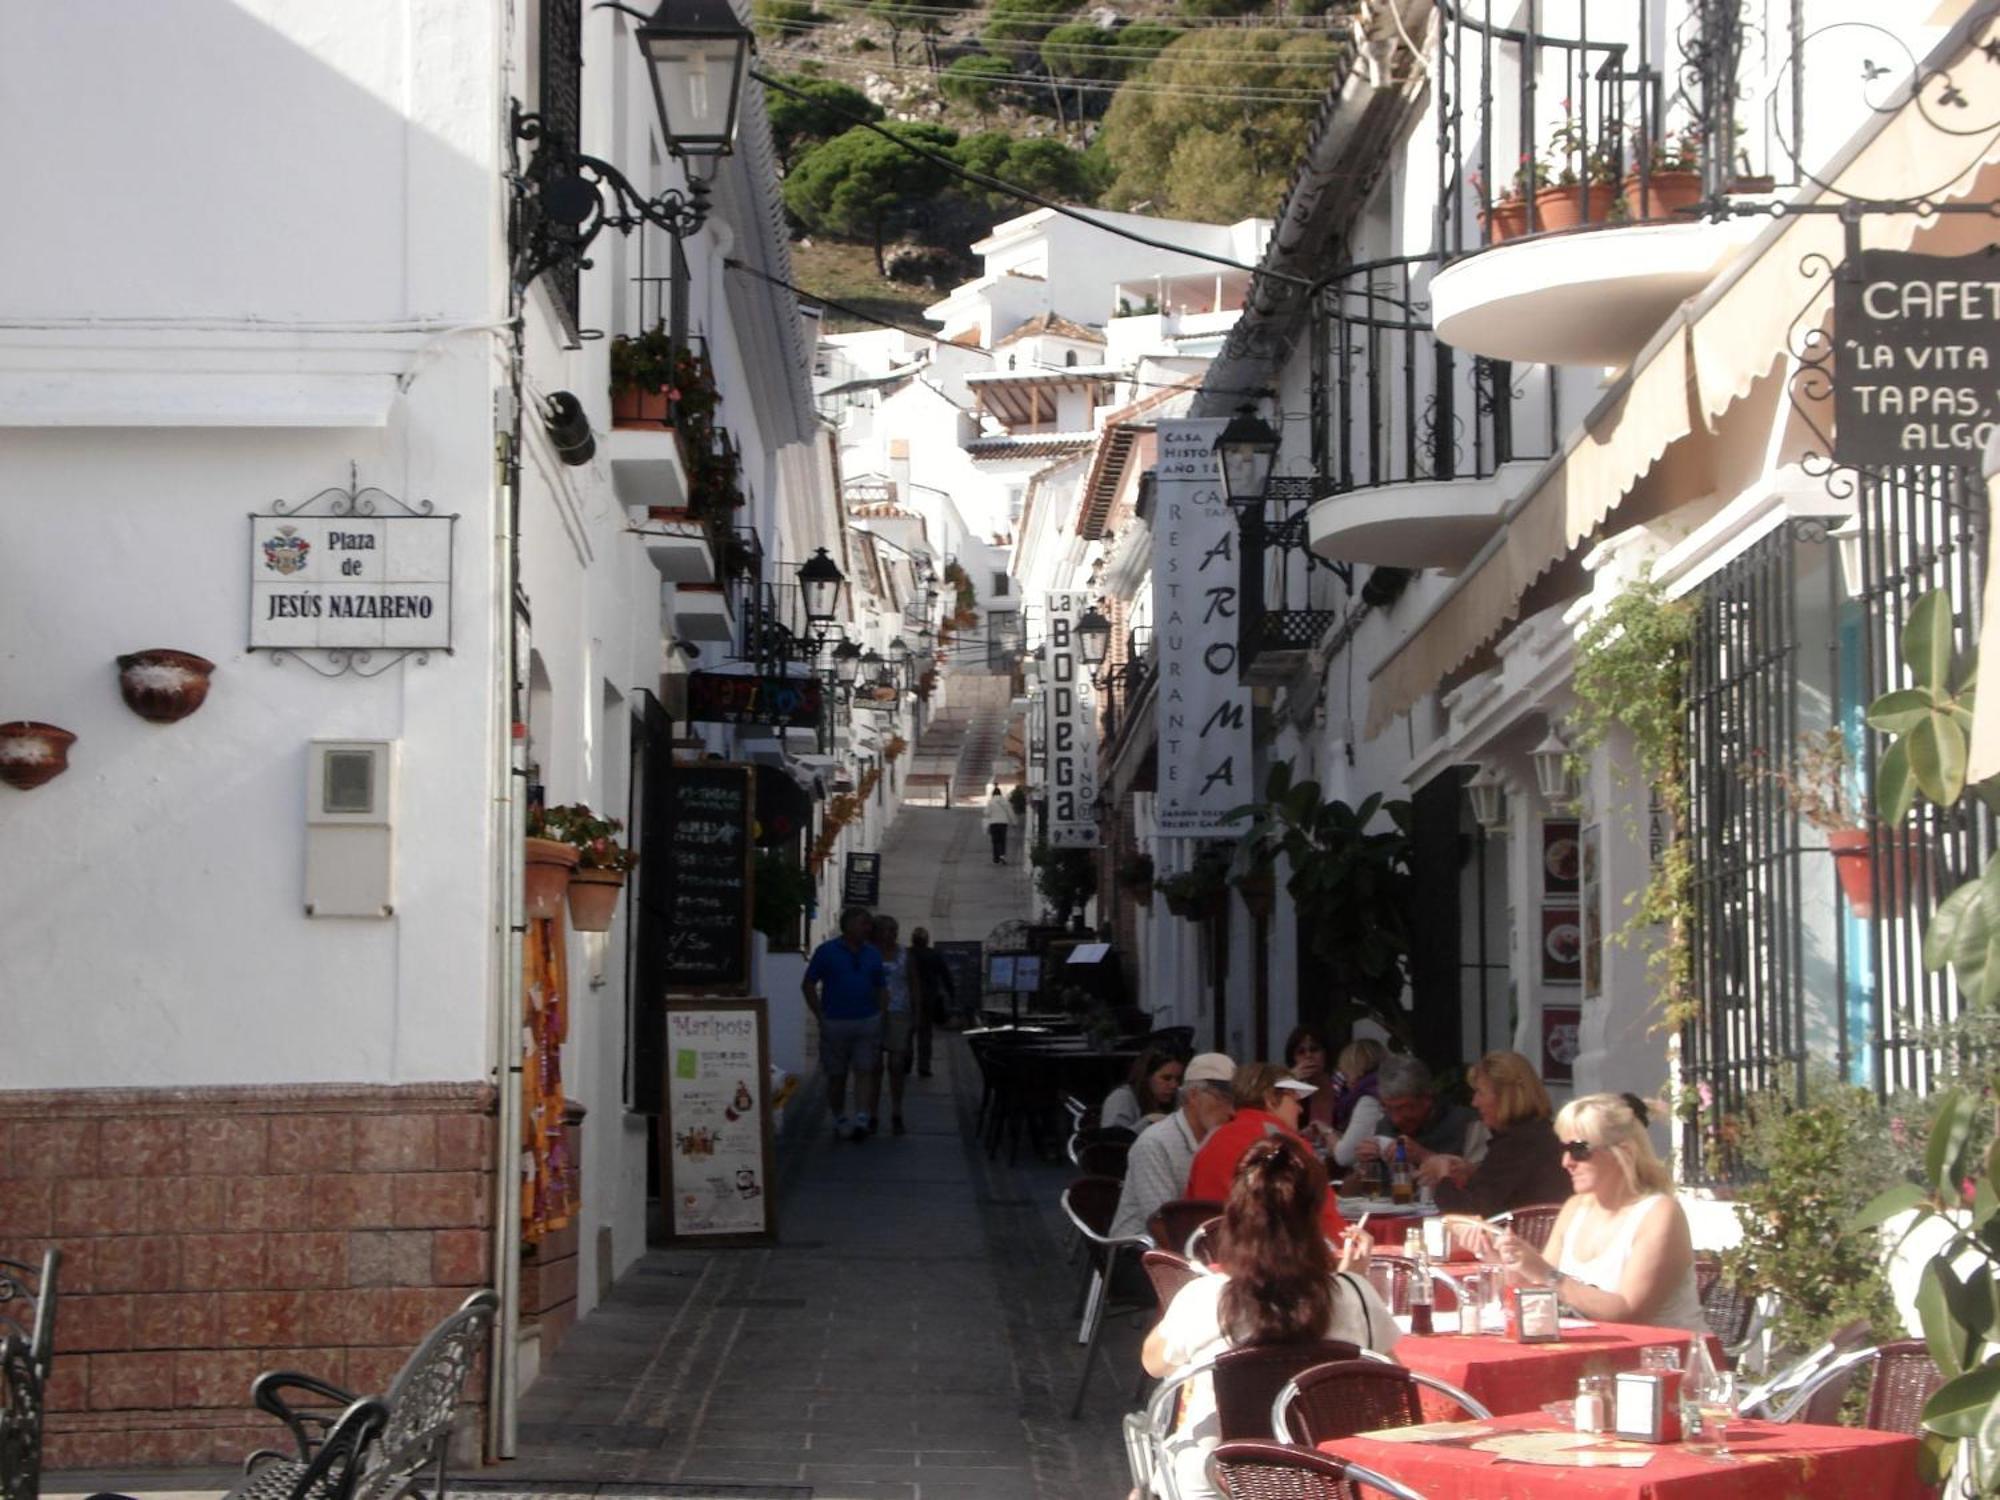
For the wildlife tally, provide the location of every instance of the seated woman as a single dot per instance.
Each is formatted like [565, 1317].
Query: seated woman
[1524, 1159]
[1357, 1106]
[1311, 1060]
[1148, 1095]
[1279, 1283]
[1269, 1101]
[1620, 1250]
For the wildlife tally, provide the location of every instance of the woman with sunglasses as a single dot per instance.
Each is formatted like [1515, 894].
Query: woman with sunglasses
[1620, 1251]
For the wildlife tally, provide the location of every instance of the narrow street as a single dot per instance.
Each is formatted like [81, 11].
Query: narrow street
[909, 1337]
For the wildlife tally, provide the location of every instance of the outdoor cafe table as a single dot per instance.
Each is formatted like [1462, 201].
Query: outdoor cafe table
[1506, 1376]
[1839, 1463]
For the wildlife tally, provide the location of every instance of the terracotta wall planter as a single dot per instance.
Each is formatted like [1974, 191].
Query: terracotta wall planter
[1507, 219]
[632, 407]
[1667, 193]
[593, 899]
[163, 685]
[1559, 208]
[1854, 862]
[547, 875]
[32, 753]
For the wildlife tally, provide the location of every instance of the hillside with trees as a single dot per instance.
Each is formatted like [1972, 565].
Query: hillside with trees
[1191, 109]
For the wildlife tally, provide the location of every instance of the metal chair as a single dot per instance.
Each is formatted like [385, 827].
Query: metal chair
[27, 1349]
[1340, 1399]
[1104, 1158]
[1245, 1380]
[1090, 1204]
[1175, 1221]
[1278, 1471]
[1203, 1240]
[1168, 1272]
[345, 1448]
[1391, 1275]
[1775, 1395]
[419, 1406]
[1733, 1315]
[1903, 1376]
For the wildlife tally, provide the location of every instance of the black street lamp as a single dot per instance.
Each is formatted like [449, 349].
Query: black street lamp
[1093, 637]
[1246, 448]
[700, 55]
[846, 663]
[820, 579]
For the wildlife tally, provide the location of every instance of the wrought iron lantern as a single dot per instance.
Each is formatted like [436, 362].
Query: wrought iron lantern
[699, 54]
[1093, 637]
[1246, 449]
[820, 579]
[1488, 795]
[1846, 538]
[1552, 771]
[846, 663]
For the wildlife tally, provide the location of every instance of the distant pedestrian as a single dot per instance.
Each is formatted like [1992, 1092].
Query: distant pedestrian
[847, 992]
[999, 818]
[899, 1021]
[935, 992]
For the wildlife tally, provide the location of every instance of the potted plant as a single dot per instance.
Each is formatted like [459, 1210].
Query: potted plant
[550, 858]
[642, 379]
[1135, 873]
[1200, 890]
[1585, 179]
[601, 865]
[1506, 218]
[163, 685]
[1672, 181]
[782, 892]
[893, 751]
[1817, 784]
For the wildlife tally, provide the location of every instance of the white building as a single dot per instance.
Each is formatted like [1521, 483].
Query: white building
[248, 1057]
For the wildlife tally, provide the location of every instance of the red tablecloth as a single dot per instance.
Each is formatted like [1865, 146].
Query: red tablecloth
[1508, 1377]
[1786, 1461]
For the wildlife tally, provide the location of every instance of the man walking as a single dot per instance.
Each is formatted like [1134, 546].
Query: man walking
[847, 992]
[899, 1022]
[999, 818]
[935, 990]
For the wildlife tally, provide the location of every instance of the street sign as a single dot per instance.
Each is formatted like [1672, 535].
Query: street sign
[1917, 357]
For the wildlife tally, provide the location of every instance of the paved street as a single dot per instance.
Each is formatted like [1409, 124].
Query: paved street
[909, 1337]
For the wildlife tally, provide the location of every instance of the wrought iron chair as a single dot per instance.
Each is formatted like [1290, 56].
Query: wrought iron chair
[27, 1348]
[1733, 1315]
[340, 1459]
[1245, 1380]
[1340, 1399]
[1175, 1221]
[420, 1404]
[1090, 1204]
[1278, 1471]
[1902, 1377]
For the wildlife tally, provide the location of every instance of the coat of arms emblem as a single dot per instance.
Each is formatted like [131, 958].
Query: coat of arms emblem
[286, 552]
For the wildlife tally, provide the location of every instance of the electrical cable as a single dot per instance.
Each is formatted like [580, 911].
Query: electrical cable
[1113, 52]
[1070, 17]
[1240, 94]
[1025, 195]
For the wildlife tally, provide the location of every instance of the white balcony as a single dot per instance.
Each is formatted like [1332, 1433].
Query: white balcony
[1430, 523]
[678, 547]
[646, 467]
[1588, 297]
[701, 613]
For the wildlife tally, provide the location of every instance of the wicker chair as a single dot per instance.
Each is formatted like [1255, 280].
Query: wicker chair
[1202, 1243]
[1361, 1395]
[27, 1349]
[419, 1409]
[1168, 1272]
[1733, 1315]
[1175, 1221]
[1245, 1380]
[1533, 1222]
[1278, 1471]
[1090, 1204]
[1902, 1377]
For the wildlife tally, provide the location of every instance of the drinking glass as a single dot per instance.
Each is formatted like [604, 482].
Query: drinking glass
[1659, 1357]
[1715, 1399]
[1493, 1316]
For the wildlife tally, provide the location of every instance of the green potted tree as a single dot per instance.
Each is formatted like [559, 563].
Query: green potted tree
[781, 895]
[1199, 891]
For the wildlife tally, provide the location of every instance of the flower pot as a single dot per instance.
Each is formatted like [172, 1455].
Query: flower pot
[549, 863]
[1854, 862]
[593, 899]
[1507, 219]
[32, 753]
[163, 685]
[633, 407]
[1561, 208]
[1259, 893]
[1667, 194]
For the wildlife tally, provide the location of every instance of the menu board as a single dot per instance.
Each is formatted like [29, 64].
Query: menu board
[715, 1133]
[966, 962]
[707, 859]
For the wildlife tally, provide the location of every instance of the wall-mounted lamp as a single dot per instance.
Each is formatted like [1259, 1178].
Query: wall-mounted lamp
[1246, 450]
[820, 579]
[1552, 770]
[1093, 637]
[1488, 796]
[569, 429]
[1847, 541]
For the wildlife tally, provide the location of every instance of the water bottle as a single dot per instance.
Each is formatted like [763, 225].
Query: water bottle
[1695, 1380]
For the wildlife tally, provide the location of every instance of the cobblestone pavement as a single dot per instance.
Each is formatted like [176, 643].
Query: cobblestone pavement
[910, 1336]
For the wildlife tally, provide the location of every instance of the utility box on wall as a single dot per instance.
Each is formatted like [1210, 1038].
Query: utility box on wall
[350, 828]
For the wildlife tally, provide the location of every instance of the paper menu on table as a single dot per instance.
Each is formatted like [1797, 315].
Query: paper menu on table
[1571, 1450]
[1427, 1432]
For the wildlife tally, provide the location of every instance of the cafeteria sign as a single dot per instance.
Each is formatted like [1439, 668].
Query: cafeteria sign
[1918, 358]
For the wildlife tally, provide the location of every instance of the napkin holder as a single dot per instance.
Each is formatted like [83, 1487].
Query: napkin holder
[1533, 1315]
[1646, 1405]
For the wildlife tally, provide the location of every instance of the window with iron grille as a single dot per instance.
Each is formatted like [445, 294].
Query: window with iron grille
[561, 107]
[1797, 962]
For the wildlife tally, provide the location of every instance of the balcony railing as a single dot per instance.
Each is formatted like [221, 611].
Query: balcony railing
[1392, 404]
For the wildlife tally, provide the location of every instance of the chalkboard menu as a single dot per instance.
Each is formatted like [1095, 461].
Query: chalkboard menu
[967, 963]
[706, 862]
[862, 885]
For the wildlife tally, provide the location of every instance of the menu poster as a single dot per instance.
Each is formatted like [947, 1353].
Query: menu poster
[715, 1134]
[1562, 945]
[705, 906]
[1562, 857]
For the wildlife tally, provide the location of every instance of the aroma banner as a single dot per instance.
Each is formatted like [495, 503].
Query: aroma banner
[1071, 726]
[1204, 712]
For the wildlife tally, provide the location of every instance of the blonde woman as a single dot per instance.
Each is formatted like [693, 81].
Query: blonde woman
[1620, 1250]
[1357, 1109]
[1523, 1163]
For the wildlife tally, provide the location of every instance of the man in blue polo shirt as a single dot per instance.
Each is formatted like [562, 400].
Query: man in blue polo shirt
[847, 992]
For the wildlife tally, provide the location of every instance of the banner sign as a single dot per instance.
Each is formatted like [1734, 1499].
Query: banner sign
[1071, 727]
[350, 582]
[1918, 350]
[753, 698]
[1204, 712]
[715, 1136]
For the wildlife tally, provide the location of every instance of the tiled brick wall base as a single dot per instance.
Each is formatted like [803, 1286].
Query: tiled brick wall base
[211, 1234]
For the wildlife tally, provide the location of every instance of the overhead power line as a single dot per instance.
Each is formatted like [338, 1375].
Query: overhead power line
[1025, 195]
[1240, 94]
[1077, 17]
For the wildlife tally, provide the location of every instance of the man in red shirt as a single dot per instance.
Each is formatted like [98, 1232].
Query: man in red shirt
[1269, 1100]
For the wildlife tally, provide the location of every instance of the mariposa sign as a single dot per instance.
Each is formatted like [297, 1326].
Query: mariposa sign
[1917, 362]
[753, 698]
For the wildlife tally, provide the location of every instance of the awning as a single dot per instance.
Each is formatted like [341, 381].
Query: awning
[1703, 361]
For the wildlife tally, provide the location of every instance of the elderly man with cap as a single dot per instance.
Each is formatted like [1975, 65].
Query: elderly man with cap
[1156, 1169]
[1269, 1101]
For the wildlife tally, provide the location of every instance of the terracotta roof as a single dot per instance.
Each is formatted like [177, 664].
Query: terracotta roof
[969, 339]
[1030, 446]
[1120, 434]
[1051, 324]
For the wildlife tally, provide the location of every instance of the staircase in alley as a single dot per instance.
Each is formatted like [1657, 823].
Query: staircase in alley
[987, 701]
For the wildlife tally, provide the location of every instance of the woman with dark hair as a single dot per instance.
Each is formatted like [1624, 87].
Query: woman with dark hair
[1310, 1058]
[1279, 1282]
[1147, 1095]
